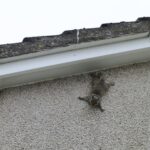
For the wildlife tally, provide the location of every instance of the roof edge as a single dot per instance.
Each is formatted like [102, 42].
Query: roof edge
[74, 37]
[74, 47]
[77, 61]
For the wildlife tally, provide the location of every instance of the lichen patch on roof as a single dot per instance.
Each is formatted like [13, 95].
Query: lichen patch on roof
[106, 31]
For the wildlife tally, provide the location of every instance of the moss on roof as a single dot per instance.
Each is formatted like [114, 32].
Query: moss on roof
[106, 31]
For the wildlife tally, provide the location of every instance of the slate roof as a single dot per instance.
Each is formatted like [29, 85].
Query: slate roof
[105, 31]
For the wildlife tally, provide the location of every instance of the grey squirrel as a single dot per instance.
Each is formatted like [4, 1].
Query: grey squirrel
[98, 89]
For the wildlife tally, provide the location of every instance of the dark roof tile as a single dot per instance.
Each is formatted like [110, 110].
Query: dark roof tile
[106, 31]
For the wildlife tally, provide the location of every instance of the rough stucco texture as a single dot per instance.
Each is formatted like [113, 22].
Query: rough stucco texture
[48, 115]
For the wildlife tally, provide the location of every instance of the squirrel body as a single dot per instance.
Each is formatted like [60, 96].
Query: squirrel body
[98, 89]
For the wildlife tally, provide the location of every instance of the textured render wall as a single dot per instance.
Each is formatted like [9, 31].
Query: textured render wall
[48, 115]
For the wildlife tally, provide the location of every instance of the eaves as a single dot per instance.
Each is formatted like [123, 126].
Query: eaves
[74, 59]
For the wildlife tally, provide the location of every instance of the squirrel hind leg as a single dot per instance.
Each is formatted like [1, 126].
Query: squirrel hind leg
[100, 107]
[83, 98]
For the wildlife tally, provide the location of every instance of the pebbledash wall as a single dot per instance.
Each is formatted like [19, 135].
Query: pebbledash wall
[48, 115]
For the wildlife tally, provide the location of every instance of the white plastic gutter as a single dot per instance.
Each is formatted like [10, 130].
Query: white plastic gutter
[74, 59]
